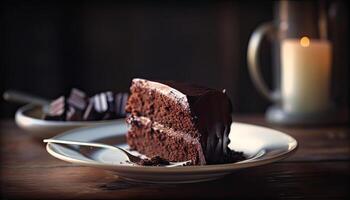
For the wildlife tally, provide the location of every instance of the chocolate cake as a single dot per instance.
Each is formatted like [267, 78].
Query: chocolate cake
[179, 122]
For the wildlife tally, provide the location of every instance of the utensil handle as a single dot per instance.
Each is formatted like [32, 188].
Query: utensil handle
[80, 143]
[253, 60]
[21, 97]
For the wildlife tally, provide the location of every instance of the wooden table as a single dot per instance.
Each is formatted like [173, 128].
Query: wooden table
[320, 169]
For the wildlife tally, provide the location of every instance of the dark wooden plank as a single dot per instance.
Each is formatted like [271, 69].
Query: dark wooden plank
[323, 180]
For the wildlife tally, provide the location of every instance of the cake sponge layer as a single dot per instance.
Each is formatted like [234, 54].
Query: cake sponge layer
[148, 101]
[153, 139]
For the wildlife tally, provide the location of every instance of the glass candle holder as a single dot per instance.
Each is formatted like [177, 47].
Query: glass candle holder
[302, 58]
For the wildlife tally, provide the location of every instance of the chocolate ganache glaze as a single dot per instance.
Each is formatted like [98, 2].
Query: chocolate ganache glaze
[211, 111]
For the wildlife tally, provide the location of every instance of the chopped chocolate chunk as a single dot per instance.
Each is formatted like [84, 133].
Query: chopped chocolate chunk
[57, 110]
[120, 103]
[100, 102]
[155, 161]
[233, 156]
[91, 113]
[76, 104]
[110, 113]
[110, 101]
[77, 99]
[73, 114]
[99, 107]
[79, 107]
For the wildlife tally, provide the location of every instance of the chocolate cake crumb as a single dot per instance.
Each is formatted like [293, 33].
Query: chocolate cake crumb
[155, 161]
[234, 156]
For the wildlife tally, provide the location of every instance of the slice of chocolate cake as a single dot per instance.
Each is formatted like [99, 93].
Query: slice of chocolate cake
[180, 122]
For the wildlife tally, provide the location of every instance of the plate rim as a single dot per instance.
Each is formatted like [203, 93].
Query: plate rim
[219, 168]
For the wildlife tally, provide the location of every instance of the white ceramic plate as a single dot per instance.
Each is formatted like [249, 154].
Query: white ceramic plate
[261, 145]
[28, 118]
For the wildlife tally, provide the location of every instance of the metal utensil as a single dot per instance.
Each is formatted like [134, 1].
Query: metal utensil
[132, 158]
[21, 97]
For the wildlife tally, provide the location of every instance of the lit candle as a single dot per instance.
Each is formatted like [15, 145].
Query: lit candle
[305, 81]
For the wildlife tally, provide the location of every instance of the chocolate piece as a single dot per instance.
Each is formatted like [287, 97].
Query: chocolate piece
[120, 103]
[100, 102]
[77, 99]
[106, 106]
[233, 156]
[57, 110]
[110, 101]
[109, 113]
[76, 105]
[180, 122]
[91, 113]
[73, 114]
[98, 107]
[155, 161]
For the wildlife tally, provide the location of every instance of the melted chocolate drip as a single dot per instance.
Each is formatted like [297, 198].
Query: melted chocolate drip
[211, 110]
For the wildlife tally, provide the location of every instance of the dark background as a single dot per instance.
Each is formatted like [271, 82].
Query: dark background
[49, 47]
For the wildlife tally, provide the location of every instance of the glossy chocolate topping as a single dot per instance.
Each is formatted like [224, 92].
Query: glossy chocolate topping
[211, 110]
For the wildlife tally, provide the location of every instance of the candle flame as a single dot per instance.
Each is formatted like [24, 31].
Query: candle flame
[305, 41]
